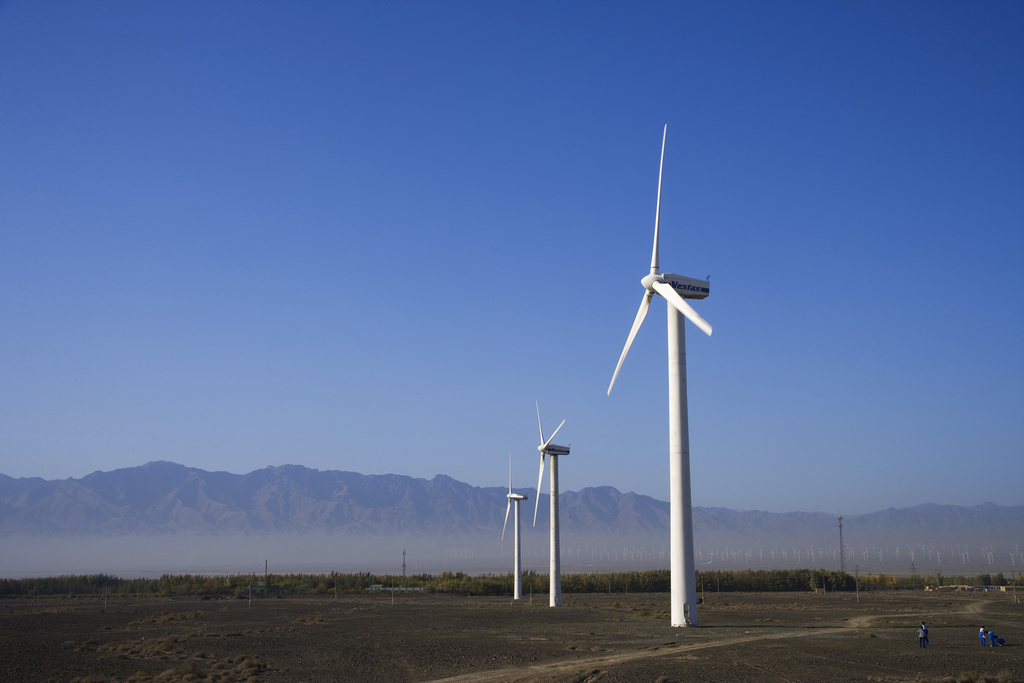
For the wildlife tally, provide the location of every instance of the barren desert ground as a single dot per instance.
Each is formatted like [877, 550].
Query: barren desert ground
[742, 637]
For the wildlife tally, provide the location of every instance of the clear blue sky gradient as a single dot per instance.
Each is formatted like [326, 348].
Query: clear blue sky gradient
[367, 236]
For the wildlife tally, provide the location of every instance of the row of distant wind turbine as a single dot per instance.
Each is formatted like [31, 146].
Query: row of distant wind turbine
[546, 448]
[675, 289]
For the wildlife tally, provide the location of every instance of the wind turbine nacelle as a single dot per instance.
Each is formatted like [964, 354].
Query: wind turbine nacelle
[688, 287]
[552, 449]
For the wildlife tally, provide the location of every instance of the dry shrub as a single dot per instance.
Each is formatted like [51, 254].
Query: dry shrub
[168, 617]
[143, 648]
[226, 671]
[311, 619]
[962, 677]
[975, 677]
[84, 646]
[219, 672]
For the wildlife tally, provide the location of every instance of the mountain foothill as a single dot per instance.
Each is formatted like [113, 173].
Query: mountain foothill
[164, 498]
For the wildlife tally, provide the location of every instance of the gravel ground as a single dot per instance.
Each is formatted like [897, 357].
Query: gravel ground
[623, 638]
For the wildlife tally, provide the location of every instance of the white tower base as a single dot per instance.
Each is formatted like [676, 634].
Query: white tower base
[518, 592]
[555, 582]
[683, 574]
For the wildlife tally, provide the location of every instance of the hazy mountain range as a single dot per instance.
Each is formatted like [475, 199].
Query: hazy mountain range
[163, 498]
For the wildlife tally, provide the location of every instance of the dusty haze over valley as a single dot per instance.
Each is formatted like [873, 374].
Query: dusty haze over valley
[167, 518]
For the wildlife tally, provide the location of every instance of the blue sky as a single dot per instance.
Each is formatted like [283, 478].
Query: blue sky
[369, 236]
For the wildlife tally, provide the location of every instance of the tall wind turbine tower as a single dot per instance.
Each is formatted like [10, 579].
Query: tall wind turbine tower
[517, 498]
[555, 566]
[675, 289]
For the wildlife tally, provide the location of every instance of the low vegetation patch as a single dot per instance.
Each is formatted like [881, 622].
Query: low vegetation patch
[229, 670]
[82, 646]
[311, 619]
[962, 677]
[168, 617]
[143, 648]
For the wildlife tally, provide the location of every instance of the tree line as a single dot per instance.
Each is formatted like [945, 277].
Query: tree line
[651, 581]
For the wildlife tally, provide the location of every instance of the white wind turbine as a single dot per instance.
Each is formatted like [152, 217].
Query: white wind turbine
[517, 498]
[674, 289]
[555, 562]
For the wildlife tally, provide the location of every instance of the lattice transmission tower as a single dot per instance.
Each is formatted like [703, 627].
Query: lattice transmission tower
[842, 548]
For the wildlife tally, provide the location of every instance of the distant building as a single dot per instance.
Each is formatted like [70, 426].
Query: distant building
[395, 589]
[261, 587]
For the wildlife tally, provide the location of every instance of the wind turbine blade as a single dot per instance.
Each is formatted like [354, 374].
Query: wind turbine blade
[657, 212]
[679, 302]
[507, 508]
[540, 480]
[539, 427]
[645, 304]
[551, 438]
[509, 479]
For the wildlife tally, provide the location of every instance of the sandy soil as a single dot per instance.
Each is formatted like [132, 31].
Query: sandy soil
[626, 638]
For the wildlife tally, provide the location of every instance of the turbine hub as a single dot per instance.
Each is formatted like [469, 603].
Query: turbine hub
[649, 280]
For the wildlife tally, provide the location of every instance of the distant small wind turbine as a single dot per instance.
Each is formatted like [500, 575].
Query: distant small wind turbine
[517, 593]
[555, 563]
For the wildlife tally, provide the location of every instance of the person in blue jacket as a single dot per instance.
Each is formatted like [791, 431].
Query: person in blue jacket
[924, 629]
[991, 638]
[982, 634]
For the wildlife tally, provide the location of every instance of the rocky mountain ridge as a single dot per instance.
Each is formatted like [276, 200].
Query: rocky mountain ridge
[164, 498]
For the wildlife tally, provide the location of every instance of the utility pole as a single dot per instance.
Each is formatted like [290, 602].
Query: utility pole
[842, 548]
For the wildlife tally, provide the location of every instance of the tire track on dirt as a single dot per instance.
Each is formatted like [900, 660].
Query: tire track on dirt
[558, 671]
[978, 608]
[585, 668]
